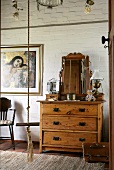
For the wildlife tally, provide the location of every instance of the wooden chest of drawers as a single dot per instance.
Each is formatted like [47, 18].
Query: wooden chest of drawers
[65, 125]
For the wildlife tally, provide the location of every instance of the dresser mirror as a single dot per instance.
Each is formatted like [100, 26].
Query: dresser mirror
[74, 75]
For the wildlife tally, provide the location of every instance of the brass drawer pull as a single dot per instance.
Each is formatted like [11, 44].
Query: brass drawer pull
[56, 109]
[82, 123]
[82, 139]
[56, 123]
[81, 109]
[56, 138]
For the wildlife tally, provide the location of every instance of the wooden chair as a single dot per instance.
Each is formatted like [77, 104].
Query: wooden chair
[7, 117]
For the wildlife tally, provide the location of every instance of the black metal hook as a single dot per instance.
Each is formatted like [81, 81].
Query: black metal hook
[104, 40]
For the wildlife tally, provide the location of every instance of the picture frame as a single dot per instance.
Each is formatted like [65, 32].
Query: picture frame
[14, 69]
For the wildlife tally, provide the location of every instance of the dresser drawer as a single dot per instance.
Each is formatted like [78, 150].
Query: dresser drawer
[69, 123]
[68, 138]
[69, 109]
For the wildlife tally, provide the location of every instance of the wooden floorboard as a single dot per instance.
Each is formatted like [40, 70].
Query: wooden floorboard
[20, 146]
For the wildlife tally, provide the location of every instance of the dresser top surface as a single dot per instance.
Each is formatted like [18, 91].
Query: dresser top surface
[70, 102]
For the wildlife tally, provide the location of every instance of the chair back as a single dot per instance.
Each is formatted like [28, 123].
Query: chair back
[5, 104]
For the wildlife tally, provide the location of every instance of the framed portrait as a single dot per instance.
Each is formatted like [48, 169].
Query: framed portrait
[16, 76]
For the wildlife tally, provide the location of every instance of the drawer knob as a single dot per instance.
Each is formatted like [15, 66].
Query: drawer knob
[107, 158]
[81, 109]
[69, 112]
[56, 138]
[56, 123]
[82, 139]
[82, 123]
[56, 109]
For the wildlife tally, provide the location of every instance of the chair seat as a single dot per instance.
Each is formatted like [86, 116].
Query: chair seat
[5, 122]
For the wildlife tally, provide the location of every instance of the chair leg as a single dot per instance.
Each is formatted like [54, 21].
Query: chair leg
[12, 135]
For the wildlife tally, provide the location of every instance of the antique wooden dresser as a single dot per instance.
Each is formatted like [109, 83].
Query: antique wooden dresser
[66, 125]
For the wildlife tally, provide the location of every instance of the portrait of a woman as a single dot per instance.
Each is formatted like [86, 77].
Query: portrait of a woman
[15, 71]
[17, 62]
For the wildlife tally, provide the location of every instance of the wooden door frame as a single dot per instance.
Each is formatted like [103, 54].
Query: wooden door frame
[111, 84]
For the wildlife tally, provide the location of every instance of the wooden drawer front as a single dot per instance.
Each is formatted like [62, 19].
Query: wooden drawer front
[69, 123]
[94, 149]
[69, 109]
[96, 159]
[96, 152]
[68, 139]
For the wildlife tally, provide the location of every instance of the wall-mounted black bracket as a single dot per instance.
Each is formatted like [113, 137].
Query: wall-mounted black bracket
[103, 39]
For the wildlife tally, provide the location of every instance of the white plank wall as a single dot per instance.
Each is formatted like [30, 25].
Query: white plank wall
[62, 30]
